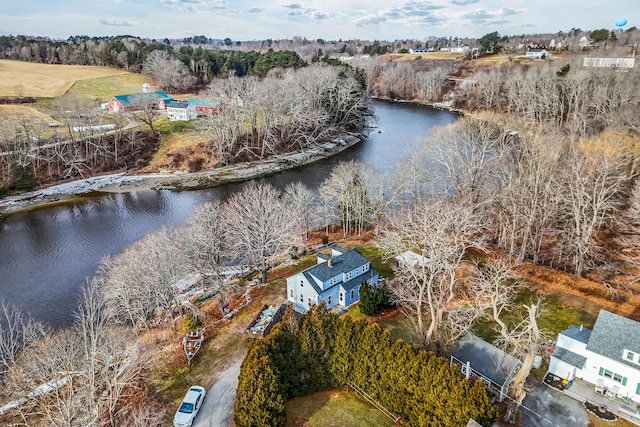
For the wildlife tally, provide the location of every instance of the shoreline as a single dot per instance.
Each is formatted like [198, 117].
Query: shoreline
[122, 183]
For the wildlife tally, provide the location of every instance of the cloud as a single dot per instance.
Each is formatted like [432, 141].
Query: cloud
[483, 17]
[115, 23]
[293, 6]
[464, 2]
[414, 12]
[255, 10]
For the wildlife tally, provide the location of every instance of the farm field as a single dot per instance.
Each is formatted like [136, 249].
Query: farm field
[46, 80]
[15, 113]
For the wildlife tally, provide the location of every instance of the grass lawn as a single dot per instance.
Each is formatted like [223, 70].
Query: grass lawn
[46, 80]
[104, 88]
[334, 408]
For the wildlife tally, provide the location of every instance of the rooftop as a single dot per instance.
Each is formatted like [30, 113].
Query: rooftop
[487, 359]
[578, 333]
[612, 334]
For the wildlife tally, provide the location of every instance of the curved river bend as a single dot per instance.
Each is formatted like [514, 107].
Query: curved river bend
[46, 255]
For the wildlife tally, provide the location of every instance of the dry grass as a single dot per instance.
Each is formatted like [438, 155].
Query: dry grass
[426, 55]
[45, 80]
[18, 112]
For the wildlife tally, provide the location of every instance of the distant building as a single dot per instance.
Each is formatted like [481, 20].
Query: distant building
[205, 106]
[537, 54]
[584, 43]
[134, 101]
[181, 110]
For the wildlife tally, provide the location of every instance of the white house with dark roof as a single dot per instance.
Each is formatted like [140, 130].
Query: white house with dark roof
[181, 110]
[335, 279]
[607, 356]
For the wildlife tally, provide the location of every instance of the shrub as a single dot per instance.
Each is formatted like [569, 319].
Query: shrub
[373, 299]
[322, 351]
[325, 239]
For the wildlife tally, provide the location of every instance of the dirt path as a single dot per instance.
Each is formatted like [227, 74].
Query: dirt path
[217, 410]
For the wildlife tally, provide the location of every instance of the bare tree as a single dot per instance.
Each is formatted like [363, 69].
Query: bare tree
[495, 288]
[439, 232]
[301, 199]
[201, 241]
[17, 332]
[258, 228]
[140, 283]
[593, 186]
[169, 73]
[468, 152]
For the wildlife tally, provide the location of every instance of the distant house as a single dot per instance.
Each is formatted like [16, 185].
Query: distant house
[607, 356]
[584, 43]
[478, 359]
[181, 110]
[537, 54]
[205, 106]
[335, 279]
[410, 258]
[136, 100]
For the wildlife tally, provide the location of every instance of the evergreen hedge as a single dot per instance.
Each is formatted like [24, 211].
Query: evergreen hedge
[322, 351]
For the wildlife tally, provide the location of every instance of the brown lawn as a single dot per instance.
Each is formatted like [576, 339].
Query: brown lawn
[45, 80]
[17, 112]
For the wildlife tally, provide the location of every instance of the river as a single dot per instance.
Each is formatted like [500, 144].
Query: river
[46, 255]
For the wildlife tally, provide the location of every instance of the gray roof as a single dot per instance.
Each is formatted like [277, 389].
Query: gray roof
[486, 359]
[344, 263]
[612, 334]
[177, 104]
[578, 333]
[356, 281]
[569, 357]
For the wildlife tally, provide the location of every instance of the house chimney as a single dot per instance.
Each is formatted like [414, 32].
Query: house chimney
[330, 262]
[580, 328]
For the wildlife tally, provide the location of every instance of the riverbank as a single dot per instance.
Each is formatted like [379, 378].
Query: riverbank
[122, 183]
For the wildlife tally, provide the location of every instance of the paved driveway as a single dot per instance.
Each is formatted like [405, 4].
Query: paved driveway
[551, 408]
[217, 410]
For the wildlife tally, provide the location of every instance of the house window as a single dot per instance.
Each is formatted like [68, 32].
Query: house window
[365, 267]
[357, 271]
[309, 302]
[353, 293]
[613, 376]
[332, 281]
[302, 283]
[329, 300]
[631, 356]
[302, 298]
[638, 389]
[291, 294]
[347, 276]
[341, 296]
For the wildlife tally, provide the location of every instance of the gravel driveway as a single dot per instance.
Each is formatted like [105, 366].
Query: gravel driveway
[217, 410]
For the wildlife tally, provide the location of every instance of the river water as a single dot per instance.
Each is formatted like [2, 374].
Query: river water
[46, 255]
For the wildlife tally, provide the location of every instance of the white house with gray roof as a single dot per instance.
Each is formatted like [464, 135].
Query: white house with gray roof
[335, 279]
[607, 356]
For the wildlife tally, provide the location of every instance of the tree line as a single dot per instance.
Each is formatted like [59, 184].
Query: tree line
[322, 351]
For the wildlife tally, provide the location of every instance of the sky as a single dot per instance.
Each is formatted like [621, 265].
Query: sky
[326, 19]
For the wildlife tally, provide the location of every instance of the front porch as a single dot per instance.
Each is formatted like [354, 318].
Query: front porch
[602, 400]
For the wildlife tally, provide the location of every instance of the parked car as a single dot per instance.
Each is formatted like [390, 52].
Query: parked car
[189, 407]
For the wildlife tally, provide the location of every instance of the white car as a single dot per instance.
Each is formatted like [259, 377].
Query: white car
[189, 407]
